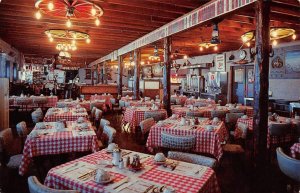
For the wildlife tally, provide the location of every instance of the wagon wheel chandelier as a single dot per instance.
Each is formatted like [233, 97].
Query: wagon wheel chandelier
[276, 33]
[67, 39]
[69, 9]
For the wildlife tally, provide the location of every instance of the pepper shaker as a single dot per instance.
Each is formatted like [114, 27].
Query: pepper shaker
[121, 164]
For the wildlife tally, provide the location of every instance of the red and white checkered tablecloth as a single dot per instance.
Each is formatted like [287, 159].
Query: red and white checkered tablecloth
[205, 183]
[192, 101]
[249, 123]
[181, 111]
[74, 103]
[103, 97]
[206, 141]
[182, 99]
[71, 115]
[136, 115]
[57, 143]
[52, 100]
[295, 149]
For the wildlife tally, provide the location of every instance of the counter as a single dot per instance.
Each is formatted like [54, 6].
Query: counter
[98, 89]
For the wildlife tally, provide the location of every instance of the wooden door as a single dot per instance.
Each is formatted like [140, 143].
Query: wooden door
[242, 83]
[238, 84]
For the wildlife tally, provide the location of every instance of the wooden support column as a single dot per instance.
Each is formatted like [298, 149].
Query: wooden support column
[102, 74]
[261, 83]
[166, 75]
[136, 77]
[120, 75]
[2, 65]
[92, 74]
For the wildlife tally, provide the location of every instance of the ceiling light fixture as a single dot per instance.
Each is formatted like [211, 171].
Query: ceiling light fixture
[206, 45]
[38, 15]
[69, 9]
[276, 33]
[215, 39]
[155, 57]
[67, 38]
[50, 6]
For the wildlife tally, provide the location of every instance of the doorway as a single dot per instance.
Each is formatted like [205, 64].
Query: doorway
[242, 83]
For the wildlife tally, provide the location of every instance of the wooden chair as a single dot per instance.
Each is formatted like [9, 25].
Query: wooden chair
[194, 114]
[35, 186]
[92, 115]
[218, 113]
[145, 126]
[98, 117]
[231, 120]
[115, 106]
[289, 166]
[278, 132]
[37, 116]
[102, 124]
[10, 149]
[178, 142]
[193, 158]
[109, 134]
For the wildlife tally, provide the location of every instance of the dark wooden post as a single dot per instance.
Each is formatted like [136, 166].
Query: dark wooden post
[136, 77]
[92, 74]
[166, 75]
[261, 83]
[102, 75]
[120, 75]
[98, 72]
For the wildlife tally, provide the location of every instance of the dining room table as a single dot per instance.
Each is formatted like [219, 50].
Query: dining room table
[74, 103]
[295, 150]
[67, 114]
[180, 99]
[194, 101]
[105, 97]
[80, 175]
[207, 141]
[181, 111]
[249, 122]
[51, 101]
[134, 115]
[52, 139]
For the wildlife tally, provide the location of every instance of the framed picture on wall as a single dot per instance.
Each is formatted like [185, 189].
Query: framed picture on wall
[220, 62]
[292, 62]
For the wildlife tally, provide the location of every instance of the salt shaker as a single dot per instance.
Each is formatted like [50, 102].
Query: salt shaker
[121, 164]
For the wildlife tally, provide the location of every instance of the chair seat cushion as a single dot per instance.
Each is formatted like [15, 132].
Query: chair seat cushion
[15, 161]
[233, 148]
